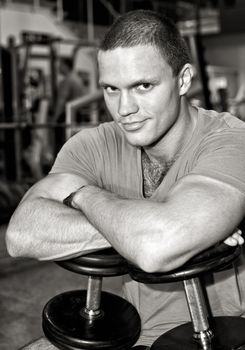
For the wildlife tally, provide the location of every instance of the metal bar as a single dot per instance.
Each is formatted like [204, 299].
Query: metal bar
[60, 10]
[90, 24]
[110, 8]
[16, 106]
[7, 115]
[36, 5]
[81, 42]
[93, 293]
[53, 73]
[198, 311]
[72, 106]
[84, 100]
[92, 309]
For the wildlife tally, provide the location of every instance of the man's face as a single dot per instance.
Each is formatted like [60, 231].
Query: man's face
[140, 92]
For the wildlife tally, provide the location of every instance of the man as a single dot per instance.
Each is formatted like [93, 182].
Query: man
[70, 88]
[161, 183]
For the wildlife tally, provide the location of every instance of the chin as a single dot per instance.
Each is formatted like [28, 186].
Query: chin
[137, 142]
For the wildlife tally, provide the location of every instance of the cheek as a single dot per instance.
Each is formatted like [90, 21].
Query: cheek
[111, 106]
[156, 102]
[153, 107]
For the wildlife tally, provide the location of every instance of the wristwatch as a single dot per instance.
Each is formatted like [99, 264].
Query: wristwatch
[68, 200]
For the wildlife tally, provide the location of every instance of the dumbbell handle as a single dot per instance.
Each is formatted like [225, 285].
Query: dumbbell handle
[198, 312]
[92, 309]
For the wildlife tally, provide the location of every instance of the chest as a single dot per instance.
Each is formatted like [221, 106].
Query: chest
[153, 173]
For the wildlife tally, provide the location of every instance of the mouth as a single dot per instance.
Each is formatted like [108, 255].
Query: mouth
[132, 126]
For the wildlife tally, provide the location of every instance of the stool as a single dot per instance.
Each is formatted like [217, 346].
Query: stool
[204, 332]
[92, 319]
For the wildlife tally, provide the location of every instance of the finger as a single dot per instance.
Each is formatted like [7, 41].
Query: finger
[231, 241]
[238, 231]
[238, 237]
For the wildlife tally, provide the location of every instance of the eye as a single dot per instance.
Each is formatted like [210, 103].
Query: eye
[110, 89]
[145, 87]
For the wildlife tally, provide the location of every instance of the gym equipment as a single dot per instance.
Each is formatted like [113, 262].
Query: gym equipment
[92, 319]
[9, 153]
[204, 332]
[10, 195]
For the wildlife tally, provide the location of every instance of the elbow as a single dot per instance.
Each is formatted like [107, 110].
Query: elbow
[17, 245]
[158, 264]
[13, 245]
[151, 259]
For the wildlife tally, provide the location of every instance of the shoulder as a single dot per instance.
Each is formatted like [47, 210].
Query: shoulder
[85, 152]
[102, 131]
[220, 148]
[215, 121]
[92, 139]
[221, 128]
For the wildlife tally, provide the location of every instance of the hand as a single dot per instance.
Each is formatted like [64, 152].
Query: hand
[235, 239]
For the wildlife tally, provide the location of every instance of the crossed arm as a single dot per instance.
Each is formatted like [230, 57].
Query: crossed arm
[157, 236]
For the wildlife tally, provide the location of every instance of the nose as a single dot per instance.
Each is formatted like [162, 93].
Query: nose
[127, 104]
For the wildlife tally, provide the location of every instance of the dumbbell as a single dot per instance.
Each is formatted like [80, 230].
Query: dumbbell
[92, 318]
[204, 332]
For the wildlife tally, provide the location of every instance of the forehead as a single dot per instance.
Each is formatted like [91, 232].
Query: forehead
[129, 63]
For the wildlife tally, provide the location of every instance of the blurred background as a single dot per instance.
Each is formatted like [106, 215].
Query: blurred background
[49, 91]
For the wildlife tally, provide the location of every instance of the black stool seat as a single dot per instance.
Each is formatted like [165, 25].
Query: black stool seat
[92, 319]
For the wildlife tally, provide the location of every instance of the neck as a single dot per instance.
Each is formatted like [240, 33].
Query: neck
[172, 143]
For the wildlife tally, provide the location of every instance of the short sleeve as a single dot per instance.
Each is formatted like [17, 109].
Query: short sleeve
[222, 156]
[81, 155]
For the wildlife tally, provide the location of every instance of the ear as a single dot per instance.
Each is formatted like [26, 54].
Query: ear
[185, 78]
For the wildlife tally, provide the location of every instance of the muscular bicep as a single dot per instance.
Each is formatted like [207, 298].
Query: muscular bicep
[203, 211]
[56, 186]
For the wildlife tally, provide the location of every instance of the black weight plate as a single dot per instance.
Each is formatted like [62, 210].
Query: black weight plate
[104, 262]
[63, 324]
[101, 271]
[187, 271]
[229, 334]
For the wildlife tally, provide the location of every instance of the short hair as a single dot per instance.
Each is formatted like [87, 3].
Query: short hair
[146, 27]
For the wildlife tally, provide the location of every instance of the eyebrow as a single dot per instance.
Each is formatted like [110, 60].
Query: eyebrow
[102, 84]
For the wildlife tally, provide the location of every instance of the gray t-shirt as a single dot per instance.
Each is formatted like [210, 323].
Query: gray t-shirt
[216, 149]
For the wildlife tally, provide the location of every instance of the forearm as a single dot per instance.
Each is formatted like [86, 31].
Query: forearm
[47, 230]
[126, 224]
[161, 236]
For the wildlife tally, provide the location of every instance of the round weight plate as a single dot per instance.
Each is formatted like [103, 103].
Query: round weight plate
[229, 335]
[189, 270]
[104, 263]
[103, 257]
[65, 327]
[102, 271]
